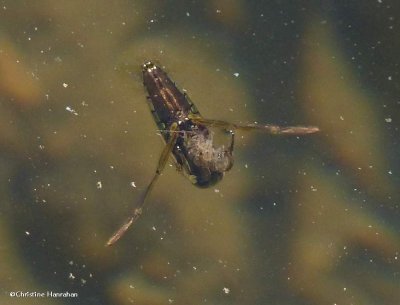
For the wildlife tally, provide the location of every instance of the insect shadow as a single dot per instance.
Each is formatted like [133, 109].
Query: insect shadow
[188, 138]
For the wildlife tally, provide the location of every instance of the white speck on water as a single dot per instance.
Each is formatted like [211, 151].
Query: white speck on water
[388, 120]
[70, 109]
[246, 166]
[71, 276]
[341, 118]
[390, 77]
[65, 85]
[216, 190]
[314, 189]
[27, 233]
[187, 14]
[226, 290]
[390, 172]
[133, 184]
[236, 74]
[99, 184]
[154, 228]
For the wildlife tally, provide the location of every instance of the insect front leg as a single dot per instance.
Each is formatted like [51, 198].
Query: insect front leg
[232, 141]
[137, 211]
[229, 152]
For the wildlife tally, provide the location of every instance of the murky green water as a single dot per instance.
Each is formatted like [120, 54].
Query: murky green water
[310, 220]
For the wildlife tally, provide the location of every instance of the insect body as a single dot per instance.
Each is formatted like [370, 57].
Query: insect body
[188, 137]
[173, 112]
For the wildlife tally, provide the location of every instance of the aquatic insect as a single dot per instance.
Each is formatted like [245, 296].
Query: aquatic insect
[188, 138]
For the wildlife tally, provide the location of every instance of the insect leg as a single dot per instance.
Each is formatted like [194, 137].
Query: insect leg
[232, 142]
[138, 210]
[271, 129]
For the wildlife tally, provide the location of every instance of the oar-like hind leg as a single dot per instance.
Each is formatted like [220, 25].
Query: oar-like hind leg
[271, 129]
[137, 211]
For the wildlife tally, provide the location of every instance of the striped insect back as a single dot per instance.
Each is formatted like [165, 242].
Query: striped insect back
[167, 103]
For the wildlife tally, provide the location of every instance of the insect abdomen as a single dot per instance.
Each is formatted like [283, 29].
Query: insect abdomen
[167, 102]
